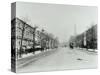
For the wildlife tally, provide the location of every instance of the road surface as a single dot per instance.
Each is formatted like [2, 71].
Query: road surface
[58, 59]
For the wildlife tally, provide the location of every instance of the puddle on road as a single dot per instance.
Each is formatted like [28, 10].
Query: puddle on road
[79, 59]
[82, 60]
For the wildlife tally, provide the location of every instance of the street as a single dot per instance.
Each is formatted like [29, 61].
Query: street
[58, 59]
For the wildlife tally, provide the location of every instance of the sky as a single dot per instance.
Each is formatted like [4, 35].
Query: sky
[60, 20]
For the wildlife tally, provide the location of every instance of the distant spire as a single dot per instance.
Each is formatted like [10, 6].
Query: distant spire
[75, 32]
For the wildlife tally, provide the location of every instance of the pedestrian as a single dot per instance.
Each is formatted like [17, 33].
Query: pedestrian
[71, 45]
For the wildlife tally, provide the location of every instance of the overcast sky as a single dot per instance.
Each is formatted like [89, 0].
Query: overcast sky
[58, 19]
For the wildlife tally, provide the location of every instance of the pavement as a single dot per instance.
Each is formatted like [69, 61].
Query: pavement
[58, 59]
[26, 59]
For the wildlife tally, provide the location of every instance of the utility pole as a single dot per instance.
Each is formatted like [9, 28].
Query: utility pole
[75, 33]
